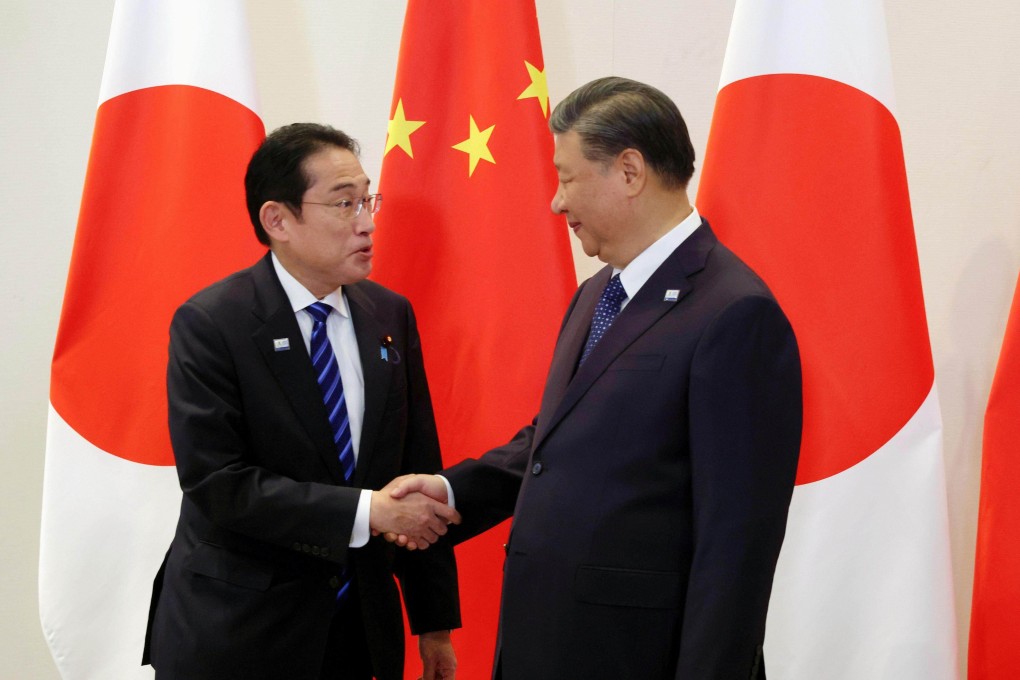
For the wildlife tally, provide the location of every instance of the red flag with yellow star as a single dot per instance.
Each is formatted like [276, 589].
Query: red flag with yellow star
[467, 234]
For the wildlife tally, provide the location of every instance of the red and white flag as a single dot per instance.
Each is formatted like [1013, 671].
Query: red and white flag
[804, 178]
[467, 234]
[162, 215]
[995, 611]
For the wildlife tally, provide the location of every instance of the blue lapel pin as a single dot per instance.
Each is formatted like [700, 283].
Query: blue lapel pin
[387, 352]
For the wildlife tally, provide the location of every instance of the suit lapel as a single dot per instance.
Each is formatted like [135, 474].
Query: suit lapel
[376, 373]
[640, 314]
[292, 368]
[570, 343]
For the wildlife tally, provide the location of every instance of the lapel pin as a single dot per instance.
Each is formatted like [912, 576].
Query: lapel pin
[672, 295]
[387, 352]
[281, 344]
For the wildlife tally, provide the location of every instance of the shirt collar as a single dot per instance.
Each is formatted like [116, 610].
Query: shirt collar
[300, 297]
[641, 268]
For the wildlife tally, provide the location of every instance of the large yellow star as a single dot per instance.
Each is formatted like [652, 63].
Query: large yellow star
[398, 132]
[476, 146]
[538, 88]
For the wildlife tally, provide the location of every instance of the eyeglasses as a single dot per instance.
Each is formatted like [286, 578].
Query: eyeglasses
[349, 209]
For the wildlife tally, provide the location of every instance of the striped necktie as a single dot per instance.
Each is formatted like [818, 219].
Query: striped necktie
[327, 371]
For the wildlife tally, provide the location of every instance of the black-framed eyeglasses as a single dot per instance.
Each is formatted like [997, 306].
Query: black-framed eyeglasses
[351, 208]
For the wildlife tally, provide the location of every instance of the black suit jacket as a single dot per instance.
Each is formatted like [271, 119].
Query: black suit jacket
[248, 587]
[650, 494]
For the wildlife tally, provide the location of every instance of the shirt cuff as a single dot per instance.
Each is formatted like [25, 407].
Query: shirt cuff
[362, 532]
[449, 492]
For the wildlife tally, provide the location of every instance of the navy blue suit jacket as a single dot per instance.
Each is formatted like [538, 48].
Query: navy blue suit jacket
[649, 496]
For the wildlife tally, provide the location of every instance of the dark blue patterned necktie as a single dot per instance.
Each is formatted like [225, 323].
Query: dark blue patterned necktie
[328, 374]
[605, 312]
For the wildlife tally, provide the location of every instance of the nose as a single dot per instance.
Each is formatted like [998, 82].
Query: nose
[363, 223]
[557, 203]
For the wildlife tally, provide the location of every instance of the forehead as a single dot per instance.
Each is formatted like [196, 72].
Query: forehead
[565, 146]
[568, 151]
[334, 169]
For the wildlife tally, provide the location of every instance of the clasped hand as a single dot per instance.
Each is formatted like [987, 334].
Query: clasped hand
[412, 511]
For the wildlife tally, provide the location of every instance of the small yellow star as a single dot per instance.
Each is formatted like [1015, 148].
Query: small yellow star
[538, 88]
[476, 146]
[398, 132]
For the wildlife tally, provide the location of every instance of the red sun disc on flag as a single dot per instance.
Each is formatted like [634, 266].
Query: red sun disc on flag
[162, 216]
[811, 191]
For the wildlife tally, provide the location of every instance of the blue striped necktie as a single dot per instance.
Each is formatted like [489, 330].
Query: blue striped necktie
[606, 310]
[328, 374]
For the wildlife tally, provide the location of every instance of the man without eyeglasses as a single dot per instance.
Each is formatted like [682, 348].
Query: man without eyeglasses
[649, 496]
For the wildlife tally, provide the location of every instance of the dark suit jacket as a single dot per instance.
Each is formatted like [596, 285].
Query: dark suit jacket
[248, 587]
[650, 494]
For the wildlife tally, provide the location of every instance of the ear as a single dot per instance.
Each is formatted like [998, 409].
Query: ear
[635, 172]
[274, 216]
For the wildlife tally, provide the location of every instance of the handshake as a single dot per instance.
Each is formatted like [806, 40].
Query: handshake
[412, 511]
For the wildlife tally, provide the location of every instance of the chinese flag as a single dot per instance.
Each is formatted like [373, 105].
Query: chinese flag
[162, 215]
[804, 178]
[467, 234]
[994, 622]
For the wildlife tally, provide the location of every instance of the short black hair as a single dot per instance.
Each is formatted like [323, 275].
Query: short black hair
[276, 169]
[612, 114]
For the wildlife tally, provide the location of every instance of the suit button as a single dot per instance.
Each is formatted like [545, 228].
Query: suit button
[324, 552]
[315, 550]
[536, 469]
[297, 546]
[306, 548]
[334, 583]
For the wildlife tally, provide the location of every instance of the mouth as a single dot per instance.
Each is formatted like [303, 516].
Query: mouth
[574, 226]
[366, 251]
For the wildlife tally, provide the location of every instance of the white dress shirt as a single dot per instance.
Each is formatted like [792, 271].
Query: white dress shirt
[641, 268]
[340, 331]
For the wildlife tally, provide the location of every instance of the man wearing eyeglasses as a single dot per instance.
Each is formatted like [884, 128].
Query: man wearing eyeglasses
[296, 391]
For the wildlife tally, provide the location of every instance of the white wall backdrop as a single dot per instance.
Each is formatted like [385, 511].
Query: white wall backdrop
[957, 82]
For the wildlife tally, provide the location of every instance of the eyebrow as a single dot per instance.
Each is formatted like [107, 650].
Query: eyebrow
[350, 185]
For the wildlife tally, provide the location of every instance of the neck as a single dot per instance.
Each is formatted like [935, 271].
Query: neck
[314, 284]
[655, 219]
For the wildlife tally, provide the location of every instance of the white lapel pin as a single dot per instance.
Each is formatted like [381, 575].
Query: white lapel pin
[281, 344]
[672, 295]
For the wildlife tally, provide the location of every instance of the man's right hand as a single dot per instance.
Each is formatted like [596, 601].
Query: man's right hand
[414, 509]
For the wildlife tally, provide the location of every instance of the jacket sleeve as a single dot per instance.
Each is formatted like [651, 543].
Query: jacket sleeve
[428, 578]
[745, 427]
[486, 488]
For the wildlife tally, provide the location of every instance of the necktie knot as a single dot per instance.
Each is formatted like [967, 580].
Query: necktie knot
[614, 294]
[319, 311]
